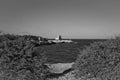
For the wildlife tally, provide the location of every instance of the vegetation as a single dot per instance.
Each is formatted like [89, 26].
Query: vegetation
[20, 58]
[100, 60]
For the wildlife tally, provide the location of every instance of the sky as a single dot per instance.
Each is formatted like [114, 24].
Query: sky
[69, 18]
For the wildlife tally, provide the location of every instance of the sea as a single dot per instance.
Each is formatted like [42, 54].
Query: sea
[66, 52]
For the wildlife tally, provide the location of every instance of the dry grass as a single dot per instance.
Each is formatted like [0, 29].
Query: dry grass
[71, 76]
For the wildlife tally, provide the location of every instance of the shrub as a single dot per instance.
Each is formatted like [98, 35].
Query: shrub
[100, 59]
[21, 60]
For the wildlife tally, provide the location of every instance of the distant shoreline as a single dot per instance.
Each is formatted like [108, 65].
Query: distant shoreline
[78, 39]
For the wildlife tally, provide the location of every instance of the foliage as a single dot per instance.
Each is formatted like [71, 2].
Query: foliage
[100, 59]
[20, 59]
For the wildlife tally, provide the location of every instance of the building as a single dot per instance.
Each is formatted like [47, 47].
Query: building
[58, 38]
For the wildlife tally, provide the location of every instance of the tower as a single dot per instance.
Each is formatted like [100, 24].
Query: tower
[58, 38]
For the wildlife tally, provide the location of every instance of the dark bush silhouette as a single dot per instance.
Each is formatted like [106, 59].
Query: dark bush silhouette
[100, 59]
[21, 59]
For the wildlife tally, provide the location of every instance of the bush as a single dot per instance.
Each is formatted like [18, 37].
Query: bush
[20, 59]
[100, 60]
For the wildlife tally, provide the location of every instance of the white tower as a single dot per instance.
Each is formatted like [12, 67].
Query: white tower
[58, 38]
